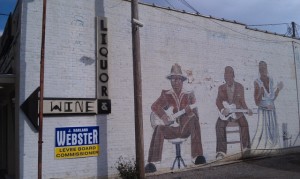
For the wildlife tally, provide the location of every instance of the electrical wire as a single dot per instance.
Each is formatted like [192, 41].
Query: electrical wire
[241, 37]
[184, 2]
[188, 5]
[288, 30]
[170, 4]
[191, 7]
[269, 24]
[297, 26]
[176, 3]
[288, 33]
[297, 29]
[249, 36]
[257, 39]
[296, 42]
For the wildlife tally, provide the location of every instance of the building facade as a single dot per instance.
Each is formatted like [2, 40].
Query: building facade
[88, 62]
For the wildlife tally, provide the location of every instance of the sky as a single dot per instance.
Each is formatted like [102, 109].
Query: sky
[250, 12]
[6, 7]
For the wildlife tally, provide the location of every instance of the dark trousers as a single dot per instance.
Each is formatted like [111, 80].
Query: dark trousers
[221, 133]
[191, 128]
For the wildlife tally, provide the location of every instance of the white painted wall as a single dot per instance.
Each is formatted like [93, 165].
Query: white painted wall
[206, 46]
[203, 45]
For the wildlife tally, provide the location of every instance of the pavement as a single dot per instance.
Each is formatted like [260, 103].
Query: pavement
[286, 166]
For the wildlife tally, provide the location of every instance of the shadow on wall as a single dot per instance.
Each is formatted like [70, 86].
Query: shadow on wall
[102, 163]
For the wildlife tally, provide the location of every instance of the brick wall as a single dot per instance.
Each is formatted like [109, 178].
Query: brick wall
[202, 45]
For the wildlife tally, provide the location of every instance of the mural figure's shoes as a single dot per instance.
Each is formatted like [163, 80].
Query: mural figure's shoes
[200, 160]
[246, 150]
[150, 168]
[220, 155]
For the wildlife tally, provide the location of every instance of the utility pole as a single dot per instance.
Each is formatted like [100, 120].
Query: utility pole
[294, 30]
[41, 107]
[139, 137]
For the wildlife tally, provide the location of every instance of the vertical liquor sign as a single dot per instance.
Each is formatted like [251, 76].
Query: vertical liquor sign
[102, 78]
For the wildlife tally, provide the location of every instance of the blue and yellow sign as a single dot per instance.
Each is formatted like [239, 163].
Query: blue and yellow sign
[76, 142]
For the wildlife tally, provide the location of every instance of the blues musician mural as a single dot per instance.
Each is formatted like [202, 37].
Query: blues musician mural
[232, 106]
[265, 93]
[174, 115]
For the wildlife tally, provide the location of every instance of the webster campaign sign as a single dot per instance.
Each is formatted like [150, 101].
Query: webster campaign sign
[76, 142]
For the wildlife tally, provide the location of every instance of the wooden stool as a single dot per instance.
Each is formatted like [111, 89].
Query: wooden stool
[232, 124]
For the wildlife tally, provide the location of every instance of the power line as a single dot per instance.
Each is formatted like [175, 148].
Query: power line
[249, 36]
[191, 7]
[246, 35]
[170, 4]
[188, 5]
[269, 24]
[296, 30]
[292, 30]
[288, 33]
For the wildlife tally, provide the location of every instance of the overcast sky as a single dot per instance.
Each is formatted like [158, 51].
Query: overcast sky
[251, 12]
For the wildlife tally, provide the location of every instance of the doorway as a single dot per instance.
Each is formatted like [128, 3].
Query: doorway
[7, 129]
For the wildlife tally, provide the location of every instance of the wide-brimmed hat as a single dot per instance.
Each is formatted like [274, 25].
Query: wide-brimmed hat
[176, 71]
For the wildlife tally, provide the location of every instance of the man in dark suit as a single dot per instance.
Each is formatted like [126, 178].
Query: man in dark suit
[232, 93]
[189, 125]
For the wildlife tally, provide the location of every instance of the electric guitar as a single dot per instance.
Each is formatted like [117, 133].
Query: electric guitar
[155, 120]
[232, 110]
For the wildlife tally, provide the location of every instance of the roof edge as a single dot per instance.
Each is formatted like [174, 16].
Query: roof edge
[215, 18]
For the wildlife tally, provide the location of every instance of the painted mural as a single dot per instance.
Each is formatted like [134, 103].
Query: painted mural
[174, 117]
[231, 97]
[265, 92]
[181, 122]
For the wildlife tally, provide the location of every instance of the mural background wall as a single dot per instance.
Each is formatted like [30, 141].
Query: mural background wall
[201, 45]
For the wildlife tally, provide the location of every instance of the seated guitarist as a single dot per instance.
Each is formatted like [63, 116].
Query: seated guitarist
[188, 122]
[231, 92]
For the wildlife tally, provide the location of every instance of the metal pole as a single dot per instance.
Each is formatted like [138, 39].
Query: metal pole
[294, 30]
[41, 107]
[139, 137]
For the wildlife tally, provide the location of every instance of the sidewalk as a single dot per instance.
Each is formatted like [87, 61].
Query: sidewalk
[283, 166]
